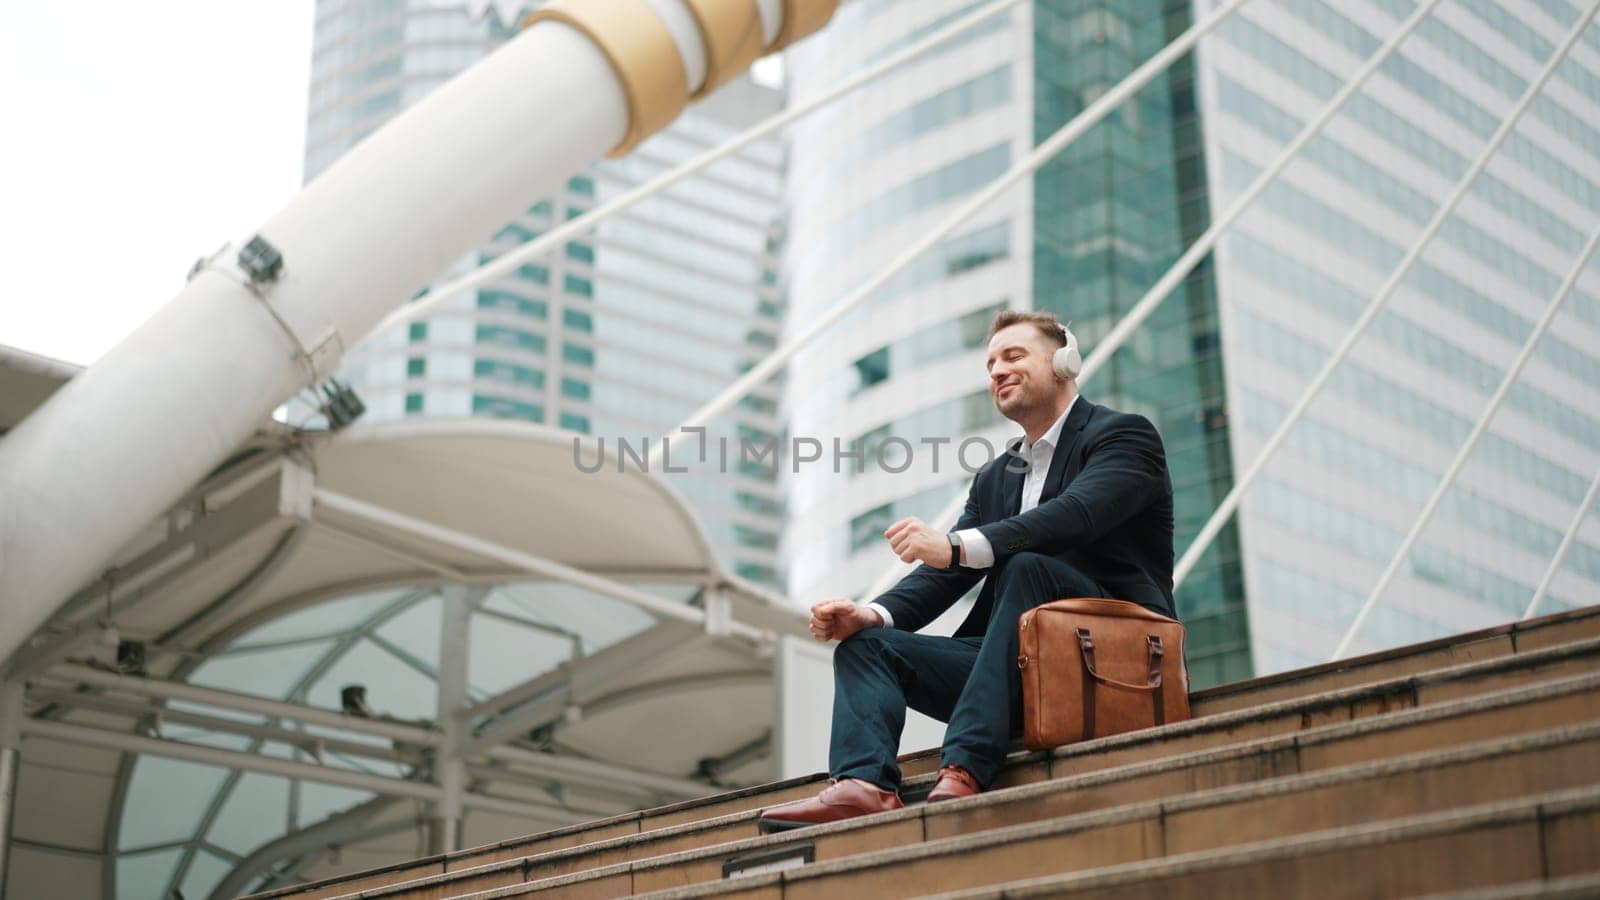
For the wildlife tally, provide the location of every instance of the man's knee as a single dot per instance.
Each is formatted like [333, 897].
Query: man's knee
[868, 642]
[1025, 567]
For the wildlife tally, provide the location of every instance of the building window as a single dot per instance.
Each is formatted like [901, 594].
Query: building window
[581, 252]
[510, 302]
[573, 353]
[582, 287]
[574, 422]
[416, 367]
[868, 527]
[419, 331]
[754, 572]
[506, 408]
[753, 537]
[531, 272]
[757, 503]
[510, 337]
[516, 233]
[760, 404]
[578, 320]
[575, 389]
[873, 368]
[413, 403]
[510, 373]
[581, 184]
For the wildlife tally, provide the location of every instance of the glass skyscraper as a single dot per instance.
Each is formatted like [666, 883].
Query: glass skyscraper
[620, 334]
[1331, 509]
[1083, 239]
[1225, 356]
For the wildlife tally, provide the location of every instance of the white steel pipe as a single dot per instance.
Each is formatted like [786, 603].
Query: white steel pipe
[1147, 304]
[508, 262]
[1466, 448]
[1230, 502]
[1038, 156]
[1566, 544]
[173, 399]
[231, 700]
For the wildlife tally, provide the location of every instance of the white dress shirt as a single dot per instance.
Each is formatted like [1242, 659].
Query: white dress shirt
[979, 554]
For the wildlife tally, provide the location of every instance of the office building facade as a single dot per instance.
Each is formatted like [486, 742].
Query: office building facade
[1227, 353]
[1331, 509]
[1082, 238]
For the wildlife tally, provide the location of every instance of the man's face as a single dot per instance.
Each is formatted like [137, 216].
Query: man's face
[1020, 376]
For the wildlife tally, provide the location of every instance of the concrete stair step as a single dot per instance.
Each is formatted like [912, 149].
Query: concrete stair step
[1538, 846]
[1474, 646]
[1144, 834]
[1362, 686]
[1571, 887]
[698, 852]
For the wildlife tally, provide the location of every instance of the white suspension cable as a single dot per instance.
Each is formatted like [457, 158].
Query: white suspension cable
[1561, 551]
[508, 262]
[1242, 483]
[1035, 158]
[1180, 270]
[1465, 451]
[1147, 304]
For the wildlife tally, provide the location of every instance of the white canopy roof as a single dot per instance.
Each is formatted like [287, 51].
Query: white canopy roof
[599, 616]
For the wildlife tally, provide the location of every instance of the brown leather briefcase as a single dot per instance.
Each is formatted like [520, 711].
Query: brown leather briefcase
[1092, 668]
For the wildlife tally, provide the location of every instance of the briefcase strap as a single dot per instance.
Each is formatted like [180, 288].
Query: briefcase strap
[1153, 684]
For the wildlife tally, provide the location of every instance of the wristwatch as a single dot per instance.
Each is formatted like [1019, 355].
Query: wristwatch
[955, 550]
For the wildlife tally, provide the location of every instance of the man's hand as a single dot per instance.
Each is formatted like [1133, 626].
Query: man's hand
[914, 541]
[835, 620]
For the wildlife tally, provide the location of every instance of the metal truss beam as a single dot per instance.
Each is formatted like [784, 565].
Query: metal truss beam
[277, 709]
[141, 709]
[337, 829]
[546, 698]
[85, 735]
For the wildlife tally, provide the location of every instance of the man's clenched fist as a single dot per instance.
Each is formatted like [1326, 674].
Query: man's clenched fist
[913, 541]
[835, 620]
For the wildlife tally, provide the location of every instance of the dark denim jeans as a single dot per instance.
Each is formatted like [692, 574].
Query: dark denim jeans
[970, 683]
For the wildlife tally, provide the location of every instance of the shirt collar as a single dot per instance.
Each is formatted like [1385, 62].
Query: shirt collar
[1052, 436]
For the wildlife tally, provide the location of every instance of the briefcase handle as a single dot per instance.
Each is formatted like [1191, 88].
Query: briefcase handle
[1153, 686]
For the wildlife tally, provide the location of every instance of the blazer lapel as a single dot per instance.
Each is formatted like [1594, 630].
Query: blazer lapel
[1066, 448]
[1011, 481]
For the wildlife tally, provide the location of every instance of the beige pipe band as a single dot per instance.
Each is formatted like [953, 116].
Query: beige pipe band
[641, 52]
[731, 32]
[802, 18]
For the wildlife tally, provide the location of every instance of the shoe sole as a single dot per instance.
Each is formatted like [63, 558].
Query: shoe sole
[778, 826]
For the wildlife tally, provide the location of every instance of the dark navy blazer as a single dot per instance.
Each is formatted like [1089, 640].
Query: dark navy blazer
[1106, 510]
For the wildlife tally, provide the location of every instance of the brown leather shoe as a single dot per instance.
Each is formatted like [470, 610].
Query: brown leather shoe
[844, 799]
[953, 782]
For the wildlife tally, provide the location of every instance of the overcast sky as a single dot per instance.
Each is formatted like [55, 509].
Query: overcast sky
[137, 138]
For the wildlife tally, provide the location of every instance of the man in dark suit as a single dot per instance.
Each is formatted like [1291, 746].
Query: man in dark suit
[1081, 506]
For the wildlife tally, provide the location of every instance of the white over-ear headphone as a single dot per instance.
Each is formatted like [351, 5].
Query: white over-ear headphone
[1067, 362]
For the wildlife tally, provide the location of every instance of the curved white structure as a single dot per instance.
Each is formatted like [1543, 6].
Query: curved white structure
[368, 233]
